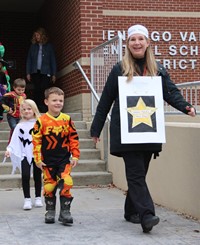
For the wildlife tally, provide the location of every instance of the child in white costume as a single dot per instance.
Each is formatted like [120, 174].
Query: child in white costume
[20, 151]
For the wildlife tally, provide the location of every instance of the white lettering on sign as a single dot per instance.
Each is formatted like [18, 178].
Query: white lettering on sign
[175, 49]
[183, 50]
[156, 52]
[181, 64]
[111, 34]
[188, 36]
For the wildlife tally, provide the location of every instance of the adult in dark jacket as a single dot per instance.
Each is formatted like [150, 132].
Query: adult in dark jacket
[41, 66]
[137, 61]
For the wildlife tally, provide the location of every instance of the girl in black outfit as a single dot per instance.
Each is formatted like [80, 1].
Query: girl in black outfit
[137, 61]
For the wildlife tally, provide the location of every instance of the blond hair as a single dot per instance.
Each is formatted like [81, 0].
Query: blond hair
[129, 66]
[33, 106]
[53, 90]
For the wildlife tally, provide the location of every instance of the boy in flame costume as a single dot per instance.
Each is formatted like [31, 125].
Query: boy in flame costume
[56, 152]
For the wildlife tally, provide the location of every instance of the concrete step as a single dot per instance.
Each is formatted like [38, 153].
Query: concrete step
[4, 126]
[84, 144]
[85, 154]
[83, 166]
[79, 179]
[4, 135]
[75, 116]
[78, 124]
[82, 133]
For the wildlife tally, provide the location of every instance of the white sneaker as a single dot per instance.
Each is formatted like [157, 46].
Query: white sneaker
[38, 202]
[27, 204]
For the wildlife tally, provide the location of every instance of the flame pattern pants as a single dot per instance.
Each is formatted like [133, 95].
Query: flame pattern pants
[57, 177]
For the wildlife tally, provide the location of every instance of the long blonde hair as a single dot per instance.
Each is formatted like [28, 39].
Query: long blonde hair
[129, 65]
[33, 105]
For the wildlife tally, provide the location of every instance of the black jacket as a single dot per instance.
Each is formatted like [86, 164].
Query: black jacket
[110, 95]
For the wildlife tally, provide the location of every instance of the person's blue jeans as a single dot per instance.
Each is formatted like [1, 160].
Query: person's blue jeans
[12, 121]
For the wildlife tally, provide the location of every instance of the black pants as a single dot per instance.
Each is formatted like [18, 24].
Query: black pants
[26, 174]
[138, 199]
[40, 82]
[1, 112]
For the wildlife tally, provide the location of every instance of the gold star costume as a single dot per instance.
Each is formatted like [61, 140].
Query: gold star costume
[141, 113]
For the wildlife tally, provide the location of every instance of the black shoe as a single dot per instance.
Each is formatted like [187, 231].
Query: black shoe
[50, 217]
[133, 218]
[148, 222]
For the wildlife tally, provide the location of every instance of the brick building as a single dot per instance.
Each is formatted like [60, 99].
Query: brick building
[77, 26]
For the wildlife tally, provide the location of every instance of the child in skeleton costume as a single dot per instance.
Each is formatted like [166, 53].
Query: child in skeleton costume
[56, 152]
[20, 150]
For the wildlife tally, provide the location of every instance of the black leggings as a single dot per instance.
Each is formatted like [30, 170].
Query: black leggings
[26, 174]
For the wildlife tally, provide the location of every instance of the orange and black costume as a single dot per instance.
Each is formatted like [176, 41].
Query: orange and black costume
[55, 140]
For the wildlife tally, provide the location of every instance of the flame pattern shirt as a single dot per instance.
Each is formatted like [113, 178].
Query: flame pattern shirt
[55, 140]
[13, 101]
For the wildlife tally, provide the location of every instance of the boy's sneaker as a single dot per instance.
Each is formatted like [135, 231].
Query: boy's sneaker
[38, 202]
[27, 204]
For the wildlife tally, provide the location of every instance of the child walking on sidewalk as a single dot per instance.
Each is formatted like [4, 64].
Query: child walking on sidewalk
[20, 150]
[56, 152]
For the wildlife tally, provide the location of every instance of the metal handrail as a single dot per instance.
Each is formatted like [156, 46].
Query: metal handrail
[77, 65]
[190, 91]
[119, 38]
[101, 63]
[105, 131]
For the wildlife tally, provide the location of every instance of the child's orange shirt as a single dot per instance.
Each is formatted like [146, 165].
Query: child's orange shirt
[55, 140]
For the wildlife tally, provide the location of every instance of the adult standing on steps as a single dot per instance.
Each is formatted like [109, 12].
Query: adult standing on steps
[137, 61]
[41, 66]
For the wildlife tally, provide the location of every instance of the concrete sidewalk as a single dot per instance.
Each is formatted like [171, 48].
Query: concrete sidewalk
[98, 220]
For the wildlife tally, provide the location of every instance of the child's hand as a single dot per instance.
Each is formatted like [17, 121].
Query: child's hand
[41, 165]
[10, 111]
[74, 162]
[28, 76]
[7, 154]
[5, 87]
[53, 79]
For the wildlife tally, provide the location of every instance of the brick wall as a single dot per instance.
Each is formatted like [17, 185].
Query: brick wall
[153, 5]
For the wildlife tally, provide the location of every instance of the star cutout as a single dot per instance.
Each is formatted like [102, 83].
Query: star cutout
[141, 113]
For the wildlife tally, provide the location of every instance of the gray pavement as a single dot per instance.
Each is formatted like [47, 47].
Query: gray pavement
[98, 220]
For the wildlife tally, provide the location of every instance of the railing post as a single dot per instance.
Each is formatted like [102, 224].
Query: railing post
[105, 130]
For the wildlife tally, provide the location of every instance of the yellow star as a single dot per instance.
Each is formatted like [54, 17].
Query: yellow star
[141, 113]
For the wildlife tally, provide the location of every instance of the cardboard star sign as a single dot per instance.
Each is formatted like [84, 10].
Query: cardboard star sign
[141, 110]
